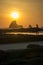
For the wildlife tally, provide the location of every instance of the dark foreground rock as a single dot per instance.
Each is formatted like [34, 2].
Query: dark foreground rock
[33, 55]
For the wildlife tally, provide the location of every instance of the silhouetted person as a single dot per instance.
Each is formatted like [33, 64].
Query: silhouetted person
[37, 28]
[30, 26]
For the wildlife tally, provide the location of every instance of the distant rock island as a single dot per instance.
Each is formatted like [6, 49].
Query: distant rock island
[14, 25]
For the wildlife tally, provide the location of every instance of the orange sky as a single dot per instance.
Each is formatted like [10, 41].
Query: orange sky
[31, 12]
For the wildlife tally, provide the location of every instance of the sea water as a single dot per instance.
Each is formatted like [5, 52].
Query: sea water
[18, 45]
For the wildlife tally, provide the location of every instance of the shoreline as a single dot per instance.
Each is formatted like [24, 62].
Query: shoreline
[19, 38]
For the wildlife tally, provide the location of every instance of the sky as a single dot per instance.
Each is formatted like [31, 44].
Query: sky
[30, 11]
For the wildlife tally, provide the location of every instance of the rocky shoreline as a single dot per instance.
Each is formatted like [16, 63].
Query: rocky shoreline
[12, 38]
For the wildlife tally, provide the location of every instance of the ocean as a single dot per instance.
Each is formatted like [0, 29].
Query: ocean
[28, 33]
[18, 45]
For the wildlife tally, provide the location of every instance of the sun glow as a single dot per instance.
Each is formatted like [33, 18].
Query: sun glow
[15, 15]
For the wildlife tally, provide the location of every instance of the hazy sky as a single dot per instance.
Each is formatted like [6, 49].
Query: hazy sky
[31, 12]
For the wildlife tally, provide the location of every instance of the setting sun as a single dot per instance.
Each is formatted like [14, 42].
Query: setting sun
[25, 12]
[14, 14]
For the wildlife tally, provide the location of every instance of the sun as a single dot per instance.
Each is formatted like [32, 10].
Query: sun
[15, 15]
